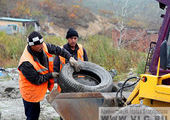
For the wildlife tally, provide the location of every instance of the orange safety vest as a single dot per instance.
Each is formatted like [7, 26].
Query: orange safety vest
[80, 55]
[31, 92]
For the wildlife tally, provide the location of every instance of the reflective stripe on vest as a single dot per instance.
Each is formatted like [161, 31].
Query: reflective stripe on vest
[51, 59]
[31, 92]
[42, 70]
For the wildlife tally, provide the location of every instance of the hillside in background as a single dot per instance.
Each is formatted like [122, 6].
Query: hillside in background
[146, 11]
[102, 24]
[84, 15]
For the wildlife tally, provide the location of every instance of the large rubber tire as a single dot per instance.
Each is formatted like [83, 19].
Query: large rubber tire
[139, 111]
[96, 79]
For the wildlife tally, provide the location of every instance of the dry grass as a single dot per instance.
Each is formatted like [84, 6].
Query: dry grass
[100, 50]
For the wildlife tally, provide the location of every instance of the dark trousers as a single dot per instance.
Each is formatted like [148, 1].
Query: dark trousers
[32, 110]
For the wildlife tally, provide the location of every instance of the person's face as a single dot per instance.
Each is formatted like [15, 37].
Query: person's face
[72, 41]
[37, 48]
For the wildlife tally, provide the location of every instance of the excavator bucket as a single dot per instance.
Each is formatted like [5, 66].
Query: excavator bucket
[80, 106]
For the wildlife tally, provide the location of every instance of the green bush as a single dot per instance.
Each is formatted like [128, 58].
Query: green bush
[100, 50]
[12, 47]
[55, 40]
[141, 66]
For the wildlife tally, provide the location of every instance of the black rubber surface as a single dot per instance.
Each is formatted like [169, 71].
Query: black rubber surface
[91, 78]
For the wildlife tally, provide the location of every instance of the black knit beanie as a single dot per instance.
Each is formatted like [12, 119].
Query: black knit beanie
[71, 32]
[34, 38]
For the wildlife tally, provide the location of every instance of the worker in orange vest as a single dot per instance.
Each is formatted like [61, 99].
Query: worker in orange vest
[36, 73]
[76, 50]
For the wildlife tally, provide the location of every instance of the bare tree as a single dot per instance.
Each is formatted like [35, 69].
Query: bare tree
[122, 15]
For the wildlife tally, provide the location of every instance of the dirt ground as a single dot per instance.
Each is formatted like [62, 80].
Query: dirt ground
[11, 104]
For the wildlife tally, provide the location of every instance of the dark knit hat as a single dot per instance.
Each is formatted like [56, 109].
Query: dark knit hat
[34, 38]
[71, 32]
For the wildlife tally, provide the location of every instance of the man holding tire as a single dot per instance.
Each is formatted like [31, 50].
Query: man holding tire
[76, 50]
[36, 73]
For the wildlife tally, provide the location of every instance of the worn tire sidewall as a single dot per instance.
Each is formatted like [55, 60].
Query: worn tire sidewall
[69, 84]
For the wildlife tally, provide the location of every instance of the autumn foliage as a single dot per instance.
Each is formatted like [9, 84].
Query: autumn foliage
[21, 9]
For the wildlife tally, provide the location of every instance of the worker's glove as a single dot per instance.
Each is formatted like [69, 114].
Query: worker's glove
[75, 64]
[55, 74]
